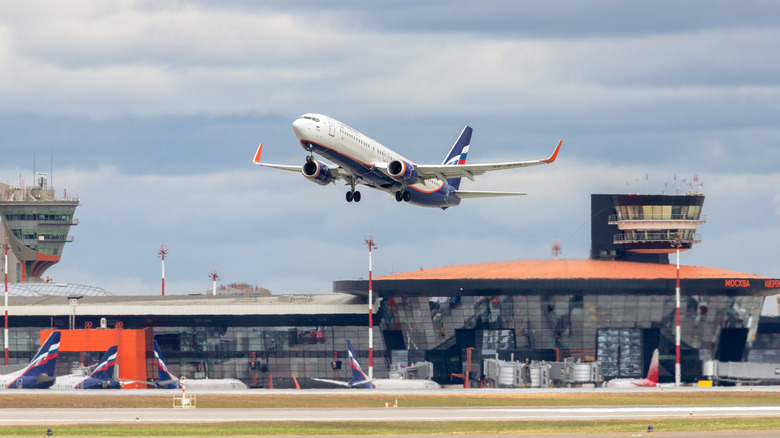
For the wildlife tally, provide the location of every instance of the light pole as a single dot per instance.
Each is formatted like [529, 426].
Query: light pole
[371, 245]
[161, 253]
[213, 276]
[677, 315]
[5, 332]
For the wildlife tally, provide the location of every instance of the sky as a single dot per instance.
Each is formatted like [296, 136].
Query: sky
[151, 111]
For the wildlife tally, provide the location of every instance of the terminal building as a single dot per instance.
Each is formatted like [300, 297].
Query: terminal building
[616, 307]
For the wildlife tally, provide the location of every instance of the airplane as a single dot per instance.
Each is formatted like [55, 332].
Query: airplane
[360, 380]
[39, 373]
[362, 161]
[650, 381]
[102, 377]
[166, 380]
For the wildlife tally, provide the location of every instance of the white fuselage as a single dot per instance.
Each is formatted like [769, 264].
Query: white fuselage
[212, 384]
[350, 149]
[405, 384]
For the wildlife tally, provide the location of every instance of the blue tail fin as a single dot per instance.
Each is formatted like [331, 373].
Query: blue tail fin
[458, 154]
[164, 378]
[359, 378]
[39, 373]
[105, 369]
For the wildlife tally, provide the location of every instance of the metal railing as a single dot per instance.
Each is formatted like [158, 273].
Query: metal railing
[657, 217]
[654, 237]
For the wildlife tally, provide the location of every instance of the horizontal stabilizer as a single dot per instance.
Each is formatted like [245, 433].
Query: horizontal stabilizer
[335, 382]
[466, 194]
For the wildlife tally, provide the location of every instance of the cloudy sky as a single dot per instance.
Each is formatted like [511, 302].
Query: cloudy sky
[151, 111]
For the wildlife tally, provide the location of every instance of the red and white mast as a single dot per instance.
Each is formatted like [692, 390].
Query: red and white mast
[161, 253]
[677, 316]
[5, 332]
[371, 245]
[213, 276]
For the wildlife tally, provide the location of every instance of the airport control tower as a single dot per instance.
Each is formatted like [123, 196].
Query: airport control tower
[35, 224]
[644, 228]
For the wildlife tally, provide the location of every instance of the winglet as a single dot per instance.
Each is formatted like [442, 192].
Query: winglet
[548, 161]
[256, 160]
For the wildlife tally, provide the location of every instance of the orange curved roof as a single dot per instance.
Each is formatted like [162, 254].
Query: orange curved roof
[567, 269]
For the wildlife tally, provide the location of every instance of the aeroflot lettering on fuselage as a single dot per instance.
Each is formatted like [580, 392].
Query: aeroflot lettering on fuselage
[772, 283]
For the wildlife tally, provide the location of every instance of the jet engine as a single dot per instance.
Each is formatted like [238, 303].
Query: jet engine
[402, 172]
[317, 172]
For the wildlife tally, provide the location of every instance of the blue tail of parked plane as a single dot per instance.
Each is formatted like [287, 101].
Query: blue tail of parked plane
[165, 379]
[359, 378]
[103, 375]
[457, 155]
[39, 373]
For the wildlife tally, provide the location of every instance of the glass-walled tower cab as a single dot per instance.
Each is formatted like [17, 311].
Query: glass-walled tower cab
[35, 224]
[644, 228]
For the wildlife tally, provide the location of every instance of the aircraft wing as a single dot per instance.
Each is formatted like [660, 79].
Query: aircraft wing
[335, 382]
[445, 172]
[337, 172]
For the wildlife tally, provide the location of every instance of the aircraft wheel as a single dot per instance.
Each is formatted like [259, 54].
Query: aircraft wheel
[407, 195]
[349, 196]
[309, 158]
[356, 196]
[399, 196]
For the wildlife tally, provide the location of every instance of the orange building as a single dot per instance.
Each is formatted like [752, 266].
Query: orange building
[133, 345]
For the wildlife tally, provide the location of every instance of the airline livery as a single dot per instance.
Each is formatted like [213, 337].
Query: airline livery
[166, 380]
[102, 377]
[39, 373]
[650, 381]
[360, 380]
[359, 160]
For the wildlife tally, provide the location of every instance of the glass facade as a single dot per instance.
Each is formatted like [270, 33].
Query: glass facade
[618, 329]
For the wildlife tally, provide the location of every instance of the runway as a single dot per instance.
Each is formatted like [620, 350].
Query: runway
[195, 415]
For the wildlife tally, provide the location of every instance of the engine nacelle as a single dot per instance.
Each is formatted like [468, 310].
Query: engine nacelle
[402, 172]
[317, 172]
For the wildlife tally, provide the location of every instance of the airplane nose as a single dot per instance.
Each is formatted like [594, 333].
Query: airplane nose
[299, 127]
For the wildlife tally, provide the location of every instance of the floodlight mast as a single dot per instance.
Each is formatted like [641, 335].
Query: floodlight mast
[161, 253]
[5, 331]
[214, 277]
[677, 316]
[370, 242]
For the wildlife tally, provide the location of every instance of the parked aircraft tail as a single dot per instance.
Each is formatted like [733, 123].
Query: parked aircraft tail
[359, 378]
[652, 372]
[165, 379]
[457, 155]
[107, 365]
[104, 374]
[39, 373]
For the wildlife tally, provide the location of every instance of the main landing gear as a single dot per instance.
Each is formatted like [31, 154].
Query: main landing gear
[352, 195]
[404, 195]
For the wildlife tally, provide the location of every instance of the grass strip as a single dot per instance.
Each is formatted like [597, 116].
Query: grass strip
[367, 428]
[258, 401]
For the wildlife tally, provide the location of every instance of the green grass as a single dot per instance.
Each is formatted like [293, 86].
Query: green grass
[393, 428]
[361, 399]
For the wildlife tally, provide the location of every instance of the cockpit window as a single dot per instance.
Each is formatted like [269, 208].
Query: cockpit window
[315, 119]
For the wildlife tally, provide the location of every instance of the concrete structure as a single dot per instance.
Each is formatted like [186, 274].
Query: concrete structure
[35, 223]
[616, 307]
